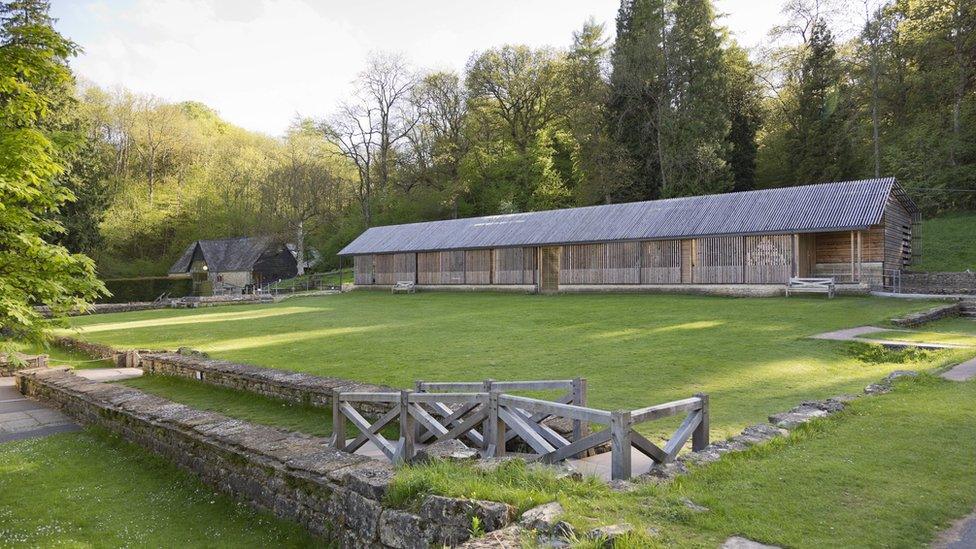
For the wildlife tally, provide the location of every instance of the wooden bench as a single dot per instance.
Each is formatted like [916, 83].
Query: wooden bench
[811, 285]
[404, 287]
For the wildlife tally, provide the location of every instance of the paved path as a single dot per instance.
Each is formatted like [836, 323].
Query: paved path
[962, 535]
[21, 417]
[859, 333]
[961, 372]
[108, 374]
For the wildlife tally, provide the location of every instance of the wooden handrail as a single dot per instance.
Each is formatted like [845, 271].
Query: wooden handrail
[426, 416]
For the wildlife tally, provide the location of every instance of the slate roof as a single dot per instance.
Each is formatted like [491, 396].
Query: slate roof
[847, 205]
[225, 255]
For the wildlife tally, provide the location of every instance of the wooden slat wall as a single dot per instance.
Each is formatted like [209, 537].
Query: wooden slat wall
[687, 261]
[477, 267]
[514, 266]
[404, 268]
[383, 269]
[719, 260]
[440, 267]
[661, 262]
[769, 259]
[897, 235]
[836, 247]
[608, 263]
[363, 269]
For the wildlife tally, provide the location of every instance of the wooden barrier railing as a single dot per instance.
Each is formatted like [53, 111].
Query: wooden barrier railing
[490, 419]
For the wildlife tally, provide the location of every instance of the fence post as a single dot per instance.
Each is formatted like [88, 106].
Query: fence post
[406, 452]
[620, 424]
[699, 437]
[417, 435]
[580, 428]
[338, 422]
[486, 387]
[495, 429]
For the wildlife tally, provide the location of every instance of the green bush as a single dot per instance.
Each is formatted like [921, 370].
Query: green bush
[125, 290]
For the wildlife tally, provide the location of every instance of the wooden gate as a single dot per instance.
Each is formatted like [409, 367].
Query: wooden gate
[549, 269]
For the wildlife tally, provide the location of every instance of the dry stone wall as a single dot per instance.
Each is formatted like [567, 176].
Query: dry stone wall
[291, 386]
[335, 495]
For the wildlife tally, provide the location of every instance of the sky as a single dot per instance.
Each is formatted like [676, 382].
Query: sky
[261, 63]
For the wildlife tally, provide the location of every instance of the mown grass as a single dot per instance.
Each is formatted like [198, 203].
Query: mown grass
[947, 243]
[90, 489]
[752, 356]
[890, 471]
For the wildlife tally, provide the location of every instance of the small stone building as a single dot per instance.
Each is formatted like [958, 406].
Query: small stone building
[233, 265]
[861, 233]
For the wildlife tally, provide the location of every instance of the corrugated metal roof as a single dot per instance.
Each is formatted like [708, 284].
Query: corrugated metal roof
[827, 206]
[225, 255]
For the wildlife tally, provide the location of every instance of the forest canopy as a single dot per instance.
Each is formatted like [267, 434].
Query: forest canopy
[669, 106]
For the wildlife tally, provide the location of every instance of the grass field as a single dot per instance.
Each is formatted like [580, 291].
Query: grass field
[90, 489]
[890, 471]
[947, 243]
[751, 355]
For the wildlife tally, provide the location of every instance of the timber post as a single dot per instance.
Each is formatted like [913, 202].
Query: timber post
[407, 448]
[338, 422]
[495, 429]
[620, 425]
[580, 428]
[699, 437]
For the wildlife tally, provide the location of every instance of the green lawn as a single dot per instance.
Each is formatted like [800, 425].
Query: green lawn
[751, 355]
[947, 243]
[90, 489]
[890, 471]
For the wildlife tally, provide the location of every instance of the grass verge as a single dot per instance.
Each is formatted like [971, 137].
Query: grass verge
[91, 489]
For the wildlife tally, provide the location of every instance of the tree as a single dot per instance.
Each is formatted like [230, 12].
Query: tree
[744, 105]
[820, 135]
[368, 130]
[301, 189]
[34, 80]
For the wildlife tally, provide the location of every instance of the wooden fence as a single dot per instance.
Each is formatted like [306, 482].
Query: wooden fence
[488, 418]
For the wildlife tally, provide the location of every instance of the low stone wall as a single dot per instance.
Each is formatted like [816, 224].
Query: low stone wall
[290, 386]
[935, 313]
[938, 283]
[336, 495]
[94, 350]
[9, 365]
[183, 302]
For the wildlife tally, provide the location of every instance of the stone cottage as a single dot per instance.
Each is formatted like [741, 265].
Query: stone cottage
[234, 265]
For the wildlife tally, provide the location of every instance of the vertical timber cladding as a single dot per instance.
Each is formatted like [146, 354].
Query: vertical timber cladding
[440, 267]
[363, 269]
[477, 267]
[607, 263]
[769, 259]
[514, 266]
[383, 269]
[549, 268]
[661, 262]
[404, 268]
[897, 235]
[719, 260]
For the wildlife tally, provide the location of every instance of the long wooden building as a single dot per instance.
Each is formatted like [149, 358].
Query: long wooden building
[858, 232]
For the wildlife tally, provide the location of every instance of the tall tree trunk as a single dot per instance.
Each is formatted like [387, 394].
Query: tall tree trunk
[300, 246]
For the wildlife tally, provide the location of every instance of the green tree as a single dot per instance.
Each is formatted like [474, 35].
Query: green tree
[34, 79]
[820, 134]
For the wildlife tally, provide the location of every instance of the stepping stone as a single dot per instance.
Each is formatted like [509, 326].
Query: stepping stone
[736, 542]
[961, 372]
